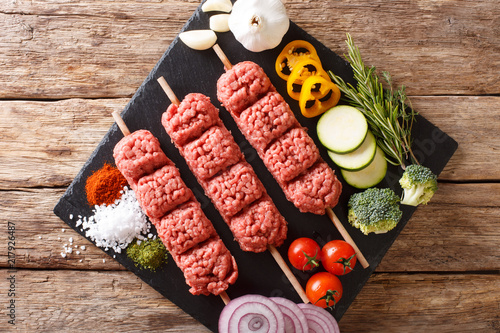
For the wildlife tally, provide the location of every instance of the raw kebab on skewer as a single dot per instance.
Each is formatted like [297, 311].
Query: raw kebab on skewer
[189, 236]
[217, 162]
[289, 153]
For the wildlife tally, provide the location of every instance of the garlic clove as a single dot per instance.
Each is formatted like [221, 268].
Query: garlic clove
[219, 22]
[259, 24]
[217, 5]
[198, 39]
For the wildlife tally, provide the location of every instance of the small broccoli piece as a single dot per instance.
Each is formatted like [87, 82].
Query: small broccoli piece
[419, 185]
[374, 210]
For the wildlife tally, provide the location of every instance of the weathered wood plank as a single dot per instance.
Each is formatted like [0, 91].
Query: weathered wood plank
[65, 300]
[58, 49]
[425, 303]
[458, 231]
[60, 136]
[66, 132]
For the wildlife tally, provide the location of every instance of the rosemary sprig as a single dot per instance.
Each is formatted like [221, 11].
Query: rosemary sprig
[388, 116]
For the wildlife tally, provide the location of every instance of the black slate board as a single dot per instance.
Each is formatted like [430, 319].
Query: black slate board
[189, 71]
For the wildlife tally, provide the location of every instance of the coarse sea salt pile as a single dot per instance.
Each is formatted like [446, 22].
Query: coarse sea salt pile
[116, 225]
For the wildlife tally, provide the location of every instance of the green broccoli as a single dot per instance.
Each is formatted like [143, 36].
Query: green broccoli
[419, 185]
[374, 210]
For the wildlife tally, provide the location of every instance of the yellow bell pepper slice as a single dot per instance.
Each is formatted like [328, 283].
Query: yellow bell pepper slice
[303, 70]
[317, 95]
[292, 53]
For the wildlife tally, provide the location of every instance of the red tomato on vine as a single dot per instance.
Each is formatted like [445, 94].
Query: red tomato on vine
[338, 257]
[324, 289]
[304, 254]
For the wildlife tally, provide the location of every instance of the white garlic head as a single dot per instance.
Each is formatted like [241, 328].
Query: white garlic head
[259, 24]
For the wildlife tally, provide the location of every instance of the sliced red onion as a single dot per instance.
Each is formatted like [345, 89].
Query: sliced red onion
[319, 320]
[251, 314]
[295, 319]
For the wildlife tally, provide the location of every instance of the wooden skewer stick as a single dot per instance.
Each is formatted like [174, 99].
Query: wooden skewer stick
[329, 211]
[222, 57]
[121, 124]
[123, 127]
[361, 258]
[276, 255]
[224, 297]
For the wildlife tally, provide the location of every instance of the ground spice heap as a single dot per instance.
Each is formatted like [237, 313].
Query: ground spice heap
[104, 186]
[149, 254]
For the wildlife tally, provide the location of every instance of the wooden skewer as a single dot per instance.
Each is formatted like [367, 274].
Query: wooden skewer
[340, 227]
[123, 127]
[222, 56]
[329, 211]
[224, 297]
[276, 255]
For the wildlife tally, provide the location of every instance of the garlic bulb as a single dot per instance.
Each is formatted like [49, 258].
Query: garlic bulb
[259, 24]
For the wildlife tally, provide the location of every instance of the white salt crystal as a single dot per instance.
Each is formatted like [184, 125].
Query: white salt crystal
[63, 230]
[82, 247]
[70, 216]
[70, 240]
[115, 226]
[104, 260]
[63, 254]
[77, 252]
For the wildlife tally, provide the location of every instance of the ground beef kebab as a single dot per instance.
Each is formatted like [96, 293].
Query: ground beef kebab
[289, 153]
[228, 180]
[187, 233]
[268, 123]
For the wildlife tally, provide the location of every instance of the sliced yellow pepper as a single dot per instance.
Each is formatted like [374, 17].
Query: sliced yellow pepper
[303, 70]
[317, 95]
[292, 53]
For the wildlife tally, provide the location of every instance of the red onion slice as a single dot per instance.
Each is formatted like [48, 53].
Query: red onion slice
[319, 320]
[251, 314]
[295, 319]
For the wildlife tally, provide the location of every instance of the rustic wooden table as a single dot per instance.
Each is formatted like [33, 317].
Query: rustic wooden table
[66, 65]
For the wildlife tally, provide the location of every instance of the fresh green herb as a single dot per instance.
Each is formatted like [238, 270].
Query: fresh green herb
[388, 116]
[148, 254]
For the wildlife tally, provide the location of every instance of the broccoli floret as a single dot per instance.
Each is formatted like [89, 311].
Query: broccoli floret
[419, 185]
[374, 210]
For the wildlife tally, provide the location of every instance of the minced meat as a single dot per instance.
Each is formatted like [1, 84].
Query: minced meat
[258, 226]
[315, 190]
[190, 119]
[235, 188]
[290, 155]
[241, 86]
[139, 154]
[266, 120]
[214, 151]
[208, 267]
[162, 191]
[184, 227]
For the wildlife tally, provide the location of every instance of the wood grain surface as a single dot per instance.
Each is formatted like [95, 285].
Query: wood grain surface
[66, 65]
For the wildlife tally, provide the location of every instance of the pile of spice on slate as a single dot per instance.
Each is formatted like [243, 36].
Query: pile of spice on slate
[116, 225]
[149, 254]
[104, 186]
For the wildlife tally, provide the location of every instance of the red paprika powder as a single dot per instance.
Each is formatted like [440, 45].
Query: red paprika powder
[104, 185]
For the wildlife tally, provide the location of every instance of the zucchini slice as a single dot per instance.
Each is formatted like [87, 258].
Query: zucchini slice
[342, 129]
[369, 176]
[359, 158]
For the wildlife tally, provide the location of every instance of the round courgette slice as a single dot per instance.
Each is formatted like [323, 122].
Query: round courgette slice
[369, 176]
[342, 129]
[359, 158]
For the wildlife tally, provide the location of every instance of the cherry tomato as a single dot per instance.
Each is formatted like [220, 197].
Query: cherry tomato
[338, 257]
[304, 254]
[324, 289]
